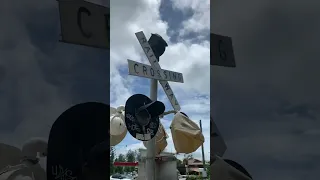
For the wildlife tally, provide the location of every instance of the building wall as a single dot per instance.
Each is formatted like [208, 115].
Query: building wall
[164, 170]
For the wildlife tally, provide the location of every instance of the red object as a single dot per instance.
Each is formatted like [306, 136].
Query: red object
[125, 163]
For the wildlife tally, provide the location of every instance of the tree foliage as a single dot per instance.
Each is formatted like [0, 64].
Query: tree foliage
[179, 163]
[112, 157]
[120, 169]
[130, 156]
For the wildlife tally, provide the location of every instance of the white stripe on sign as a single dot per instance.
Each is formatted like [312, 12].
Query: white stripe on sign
[144, 70]
[154, 63]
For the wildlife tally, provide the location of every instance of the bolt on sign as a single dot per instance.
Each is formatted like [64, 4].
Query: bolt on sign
[84, 23]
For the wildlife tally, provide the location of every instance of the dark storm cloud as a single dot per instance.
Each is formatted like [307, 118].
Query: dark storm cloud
[39, 76]
[267, 108]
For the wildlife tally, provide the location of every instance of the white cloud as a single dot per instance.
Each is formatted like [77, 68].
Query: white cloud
[199, 22]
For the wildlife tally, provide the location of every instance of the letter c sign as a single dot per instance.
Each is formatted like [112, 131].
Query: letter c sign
[82, 10]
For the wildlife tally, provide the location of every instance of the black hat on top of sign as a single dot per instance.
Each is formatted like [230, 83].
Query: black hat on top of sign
[142, 116]
[73, 136]
[158, 45]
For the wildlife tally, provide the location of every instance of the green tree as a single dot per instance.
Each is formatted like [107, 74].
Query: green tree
[131, 157]
[120, 169]
[112, 158]
[208, 170]
[179, 163]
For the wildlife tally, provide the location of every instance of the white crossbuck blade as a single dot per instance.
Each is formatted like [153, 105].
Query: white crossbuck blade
[154, 63]
[147, 71]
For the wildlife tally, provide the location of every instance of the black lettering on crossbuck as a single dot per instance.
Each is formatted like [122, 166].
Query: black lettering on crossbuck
[167, 87]
[155, 60]
[174, 76]
[144, 40]
[148, 49]
[171, 95]
[151, 72]
[158, 72]
[165, 74]
[144, 70]
[135, 70]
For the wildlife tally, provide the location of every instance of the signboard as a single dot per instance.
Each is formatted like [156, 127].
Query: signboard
[144, 70]
[221, 51]
[155, 64]
[84, 23]
[217, 144]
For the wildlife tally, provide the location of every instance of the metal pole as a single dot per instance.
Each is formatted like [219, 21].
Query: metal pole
[151, 144]
[202, 148]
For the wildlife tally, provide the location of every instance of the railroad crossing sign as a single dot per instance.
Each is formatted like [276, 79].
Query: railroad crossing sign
[221, 51]
[161, 75]
[84, 23]
[143, 70]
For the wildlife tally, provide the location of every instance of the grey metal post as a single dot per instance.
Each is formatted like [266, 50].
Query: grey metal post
[202, 148]
[151, 144]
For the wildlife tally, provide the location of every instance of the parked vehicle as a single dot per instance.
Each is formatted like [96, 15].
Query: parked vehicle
[120, 176]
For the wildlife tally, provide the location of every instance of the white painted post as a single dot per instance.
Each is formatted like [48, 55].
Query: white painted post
[151, 144]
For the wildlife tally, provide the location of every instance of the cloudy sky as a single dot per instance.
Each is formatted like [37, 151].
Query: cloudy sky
[185, 27]
[267, 108]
